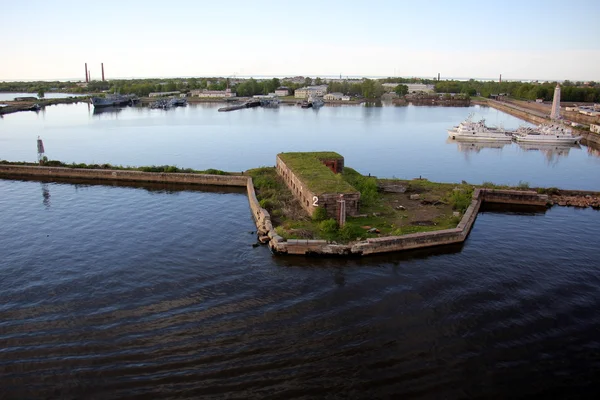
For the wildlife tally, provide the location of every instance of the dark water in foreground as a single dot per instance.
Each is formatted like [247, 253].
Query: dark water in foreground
[119, 292]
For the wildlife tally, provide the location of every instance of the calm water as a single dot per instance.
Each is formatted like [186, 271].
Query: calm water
[11, 96]
[111, 291]
[404, 142]
[156, 292]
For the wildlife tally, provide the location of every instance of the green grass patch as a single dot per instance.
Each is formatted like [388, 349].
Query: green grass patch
[367, 186]
[314, 174]
[460, 199]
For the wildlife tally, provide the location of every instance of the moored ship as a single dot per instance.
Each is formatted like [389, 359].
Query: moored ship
[546, 133]
[113, 100]
[474, 131]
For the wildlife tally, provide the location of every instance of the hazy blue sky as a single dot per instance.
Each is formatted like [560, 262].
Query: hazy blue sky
[51, 39]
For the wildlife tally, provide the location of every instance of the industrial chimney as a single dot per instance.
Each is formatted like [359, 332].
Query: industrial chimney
[438, 76]
[87, 79]
[102, 65]
[500, 78]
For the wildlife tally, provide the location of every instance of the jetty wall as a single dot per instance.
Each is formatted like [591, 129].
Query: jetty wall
[123, 175]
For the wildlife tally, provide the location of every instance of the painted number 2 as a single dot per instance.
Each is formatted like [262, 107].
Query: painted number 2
[315, 201]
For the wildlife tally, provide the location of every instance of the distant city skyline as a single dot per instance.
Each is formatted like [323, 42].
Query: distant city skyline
[538, 40]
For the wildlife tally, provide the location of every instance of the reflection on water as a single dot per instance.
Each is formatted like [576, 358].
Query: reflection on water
[45, 194]
[553, 152]
[593, 151]
[106, 110]
[476, 146]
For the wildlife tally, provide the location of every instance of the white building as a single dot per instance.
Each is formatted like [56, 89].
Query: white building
[270, 96]
[308, 91]
[588, 111]
[595, 128]
[333, 96]
[419, 87]
[161, 94]
[213, 93]
[412, 87]
[282, 91]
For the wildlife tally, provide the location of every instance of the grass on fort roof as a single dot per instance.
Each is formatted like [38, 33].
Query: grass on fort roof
[315, 175]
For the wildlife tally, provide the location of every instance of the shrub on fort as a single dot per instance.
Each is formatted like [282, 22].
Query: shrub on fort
[366, 185]
[328, 229]
[53, 163]
[320, 214]
[268, 203]
[523, 185]
[461, 199]
[351, 232]
[264, 181]
[212, 171]
[550, 191]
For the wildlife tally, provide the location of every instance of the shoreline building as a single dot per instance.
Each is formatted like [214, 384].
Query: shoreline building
[213, 93]
[555, 114]
[310, 91]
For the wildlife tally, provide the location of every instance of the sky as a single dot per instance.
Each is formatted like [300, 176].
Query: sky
[526, 39]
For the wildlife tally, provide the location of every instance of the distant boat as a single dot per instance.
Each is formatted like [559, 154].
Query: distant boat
[546, 133]
[177, 102]
[113, 100]
[473, 131]
[312, 103]
[317, 102]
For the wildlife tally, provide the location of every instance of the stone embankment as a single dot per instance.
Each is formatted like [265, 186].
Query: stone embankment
[16, 106]
[576, 199]
[123, 175]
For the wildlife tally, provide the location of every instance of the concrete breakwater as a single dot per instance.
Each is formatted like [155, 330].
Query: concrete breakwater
[265, 229]
[123, 175]
[30, 105]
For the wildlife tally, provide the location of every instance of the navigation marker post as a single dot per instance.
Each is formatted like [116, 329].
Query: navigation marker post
[40, 151]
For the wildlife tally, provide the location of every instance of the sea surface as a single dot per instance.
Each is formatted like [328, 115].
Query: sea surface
[111, 291]
[404, 142]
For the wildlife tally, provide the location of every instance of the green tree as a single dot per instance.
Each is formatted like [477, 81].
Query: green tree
[40, 93]
[401, 90]
[308, 81]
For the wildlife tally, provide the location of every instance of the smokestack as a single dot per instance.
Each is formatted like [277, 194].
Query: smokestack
[102, 64]
[500, 78]
[87, 79]
[89, 76]
[438, 76]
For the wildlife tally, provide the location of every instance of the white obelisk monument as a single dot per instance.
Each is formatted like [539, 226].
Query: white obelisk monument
[556, 103]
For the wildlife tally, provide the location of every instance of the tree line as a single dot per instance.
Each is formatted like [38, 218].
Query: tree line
[575, 92]
[367, 88]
